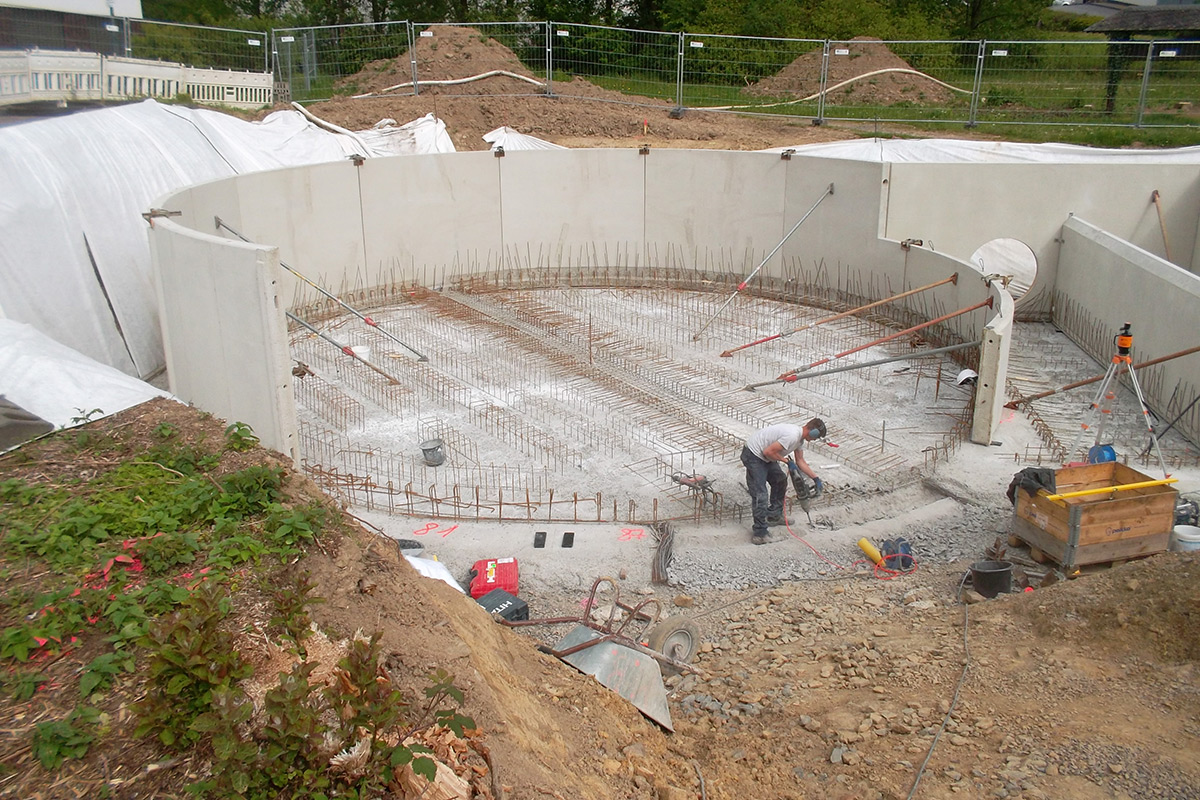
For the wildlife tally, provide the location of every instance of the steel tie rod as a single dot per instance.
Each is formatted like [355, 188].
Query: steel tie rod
[344, 348]
[420, 356]
[952, 279]
[791, 375]
[750, 277]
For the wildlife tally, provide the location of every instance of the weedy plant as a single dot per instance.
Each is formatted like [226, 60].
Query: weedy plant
[147, 556]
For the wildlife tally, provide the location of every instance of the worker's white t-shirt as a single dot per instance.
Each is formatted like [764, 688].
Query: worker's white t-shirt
[790, 436]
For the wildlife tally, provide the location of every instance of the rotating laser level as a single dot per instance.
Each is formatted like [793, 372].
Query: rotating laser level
[1100, 411]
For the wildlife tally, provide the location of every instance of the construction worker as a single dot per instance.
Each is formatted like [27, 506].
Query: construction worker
[765, 451]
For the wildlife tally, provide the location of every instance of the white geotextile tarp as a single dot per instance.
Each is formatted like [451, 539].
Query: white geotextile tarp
[75, 260]
[951, 151]
[59, 384]
[510, 139]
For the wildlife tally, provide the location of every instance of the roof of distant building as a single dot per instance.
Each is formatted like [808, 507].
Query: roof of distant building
[1152, 19]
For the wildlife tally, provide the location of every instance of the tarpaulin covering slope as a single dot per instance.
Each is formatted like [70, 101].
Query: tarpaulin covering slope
[954, 151]
[76, 259]
[58, 384]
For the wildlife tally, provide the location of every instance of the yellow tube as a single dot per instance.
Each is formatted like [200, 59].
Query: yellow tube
[1120, 488]
[871, 550]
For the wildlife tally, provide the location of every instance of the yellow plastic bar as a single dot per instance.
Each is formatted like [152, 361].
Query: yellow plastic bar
[1121, 488]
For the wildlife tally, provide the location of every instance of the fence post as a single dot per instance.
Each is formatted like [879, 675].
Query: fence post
[1145, 84]
[412, 56]
[679, 75]
[820, 120]
[972, 119]
[549, 58]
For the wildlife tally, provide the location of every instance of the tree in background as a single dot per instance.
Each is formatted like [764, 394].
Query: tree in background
[991, 19]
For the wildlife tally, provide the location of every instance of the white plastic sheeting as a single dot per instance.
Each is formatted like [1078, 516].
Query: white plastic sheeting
[76, 260]
[951, 151]
[59, 384]
[509, 139]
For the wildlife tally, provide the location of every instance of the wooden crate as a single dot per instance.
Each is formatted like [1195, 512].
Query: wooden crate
[1096, 528]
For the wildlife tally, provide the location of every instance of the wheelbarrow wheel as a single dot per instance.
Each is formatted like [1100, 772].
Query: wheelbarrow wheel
[675, 637]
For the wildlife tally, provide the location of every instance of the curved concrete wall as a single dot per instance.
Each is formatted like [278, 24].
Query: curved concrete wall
[431, 220]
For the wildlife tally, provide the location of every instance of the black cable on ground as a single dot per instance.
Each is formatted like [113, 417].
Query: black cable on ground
[954, 702]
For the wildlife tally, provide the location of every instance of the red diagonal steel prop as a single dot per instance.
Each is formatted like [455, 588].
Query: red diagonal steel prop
[952, 279]
[790, 376]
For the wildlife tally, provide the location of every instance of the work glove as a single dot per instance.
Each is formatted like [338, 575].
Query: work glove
[818, 486]
[792, 468]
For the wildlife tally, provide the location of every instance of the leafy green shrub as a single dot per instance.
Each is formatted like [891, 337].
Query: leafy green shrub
[240, 437]
[191, 656]
[55, 741]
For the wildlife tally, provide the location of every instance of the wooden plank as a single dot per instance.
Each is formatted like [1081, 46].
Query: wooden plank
[1122, 549]
[1032, 535]
[1045, 514]
[1068, 558]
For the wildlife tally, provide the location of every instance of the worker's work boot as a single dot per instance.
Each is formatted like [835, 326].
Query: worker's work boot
[774, 522]
[759, 540]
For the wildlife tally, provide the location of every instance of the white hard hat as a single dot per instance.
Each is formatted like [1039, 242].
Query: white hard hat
[966, 376]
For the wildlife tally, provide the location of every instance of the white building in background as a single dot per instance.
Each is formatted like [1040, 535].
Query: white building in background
[95, 8]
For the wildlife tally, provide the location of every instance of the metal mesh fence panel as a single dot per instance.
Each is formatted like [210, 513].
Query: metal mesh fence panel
[898, 80]
[509, 49]
[1171, 93]
[740, 73]
[319, 63]
[1094, 83]
[197, 46]
[637, 64]
[26, 28]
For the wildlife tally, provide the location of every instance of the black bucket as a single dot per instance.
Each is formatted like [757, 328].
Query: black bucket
[991, 578]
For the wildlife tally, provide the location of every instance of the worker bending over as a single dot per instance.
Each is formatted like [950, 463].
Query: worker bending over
[764, 454]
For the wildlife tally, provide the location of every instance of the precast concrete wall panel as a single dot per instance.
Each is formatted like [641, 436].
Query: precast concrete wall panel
[225, 330]
[424, 215]
[573, 207]
[841, 235]
[313, 215]
[714, 211]
[921, 267]
[959, 207]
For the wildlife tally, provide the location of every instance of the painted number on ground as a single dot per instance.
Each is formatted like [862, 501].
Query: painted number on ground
[432, 527]
[631, 534]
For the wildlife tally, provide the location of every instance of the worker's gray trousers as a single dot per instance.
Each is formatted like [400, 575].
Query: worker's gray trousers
[760, 475]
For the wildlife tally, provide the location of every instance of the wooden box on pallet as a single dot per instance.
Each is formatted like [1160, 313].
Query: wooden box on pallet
[1096, 528]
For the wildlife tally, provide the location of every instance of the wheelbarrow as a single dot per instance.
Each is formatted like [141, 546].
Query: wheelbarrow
[631, 668]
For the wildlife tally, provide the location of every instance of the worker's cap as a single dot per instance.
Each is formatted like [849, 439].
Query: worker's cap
[814, 428]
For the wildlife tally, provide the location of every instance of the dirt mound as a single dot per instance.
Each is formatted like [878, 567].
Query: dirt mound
[864, 56]
[1149, 607]
[450, 54]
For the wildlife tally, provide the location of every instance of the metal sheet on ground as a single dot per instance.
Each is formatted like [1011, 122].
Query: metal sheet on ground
[631, 674]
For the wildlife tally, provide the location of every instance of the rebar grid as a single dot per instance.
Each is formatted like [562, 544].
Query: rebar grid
[597, 388]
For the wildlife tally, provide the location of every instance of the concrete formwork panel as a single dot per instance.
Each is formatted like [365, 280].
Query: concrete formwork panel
[959, 207]
[726, 215]
[1117, 282]
[225, 331]
[430, 213]
[313, 215]
[844, 229]
[572, 207]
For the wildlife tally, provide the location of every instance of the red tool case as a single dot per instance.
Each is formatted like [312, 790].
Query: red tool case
[493, 573]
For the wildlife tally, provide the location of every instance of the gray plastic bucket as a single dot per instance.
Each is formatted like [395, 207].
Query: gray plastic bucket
[991, 578]
[432, 450]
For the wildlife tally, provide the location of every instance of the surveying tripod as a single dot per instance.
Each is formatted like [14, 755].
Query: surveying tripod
[1102, 405]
